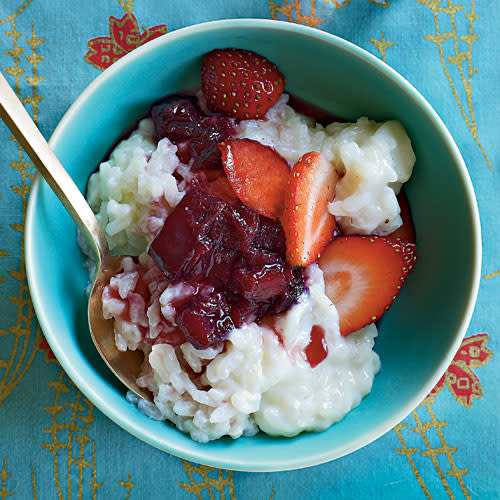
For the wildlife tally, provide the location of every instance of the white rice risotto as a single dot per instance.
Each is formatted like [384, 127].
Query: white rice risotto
[257, 381]
[261, 379]
[134, 190]
[373, 160]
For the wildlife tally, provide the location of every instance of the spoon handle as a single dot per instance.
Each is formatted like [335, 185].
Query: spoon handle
[26, 132]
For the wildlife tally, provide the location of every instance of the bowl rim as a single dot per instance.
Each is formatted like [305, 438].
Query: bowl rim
[266, 464]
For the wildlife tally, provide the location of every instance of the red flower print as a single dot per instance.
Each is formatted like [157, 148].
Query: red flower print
[44, 346]
[125, 36]
[462, 382]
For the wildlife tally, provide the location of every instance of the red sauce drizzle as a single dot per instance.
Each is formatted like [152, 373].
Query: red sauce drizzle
[317, 349]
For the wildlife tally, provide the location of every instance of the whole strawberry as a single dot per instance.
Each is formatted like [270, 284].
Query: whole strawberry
[240, 83]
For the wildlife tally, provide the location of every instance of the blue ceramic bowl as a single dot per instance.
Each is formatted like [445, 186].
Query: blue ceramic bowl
[417, 338]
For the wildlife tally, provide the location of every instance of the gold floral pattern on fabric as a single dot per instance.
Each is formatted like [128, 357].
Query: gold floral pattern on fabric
[16, 13]
[342, 3]
[435, 449]
[25, 332]
[4, 475]
[212, 480]
[128, 485]
[292, 10]
[465, 386]
[382, 45]
[127, 5]
[492, 275]
[73, 451]
[71, 416]
[216, 483]
[455, 51]
[3, 253]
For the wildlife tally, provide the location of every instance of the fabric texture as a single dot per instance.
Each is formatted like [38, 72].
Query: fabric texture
[55, 445]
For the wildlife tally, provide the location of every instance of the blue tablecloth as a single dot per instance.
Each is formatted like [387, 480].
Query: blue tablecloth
[55, 445]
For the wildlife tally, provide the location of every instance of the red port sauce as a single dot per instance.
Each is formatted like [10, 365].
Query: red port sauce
[317, 349]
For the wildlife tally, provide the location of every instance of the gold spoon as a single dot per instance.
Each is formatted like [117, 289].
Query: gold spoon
[125, 365]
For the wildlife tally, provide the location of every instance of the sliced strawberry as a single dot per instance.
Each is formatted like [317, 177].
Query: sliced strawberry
[215, 182]
[406, 232]
[257, 173]
[221, 188]
[364, 275]
[308, 225]
[240, 83]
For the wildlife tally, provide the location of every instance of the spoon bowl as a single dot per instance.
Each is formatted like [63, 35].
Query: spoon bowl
[125, 365]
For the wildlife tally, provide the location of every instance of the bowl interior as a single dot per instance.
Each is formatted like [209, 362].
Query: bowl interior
[417, 338]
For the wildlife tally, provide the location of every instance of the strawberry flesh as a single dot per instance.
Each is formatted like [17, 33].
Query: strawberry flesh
[363, 276]
[257, 174]
[221, 188]
[406, 232]
[308, 225]
[240, 83]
